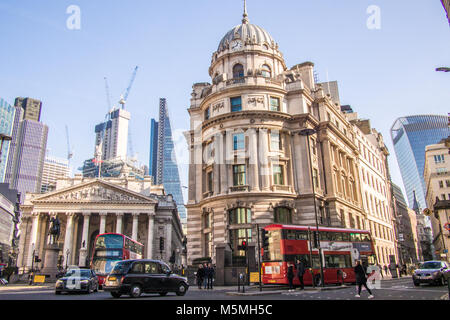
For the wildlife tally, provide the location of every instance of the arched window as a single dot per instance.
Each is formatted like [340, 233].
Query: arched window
[282, 215]
[238, 71]
[266, 71]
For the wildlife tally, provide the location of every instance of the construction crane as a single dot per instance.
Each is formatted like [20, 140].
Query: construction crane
[69, 151]
[124, 96]
[108, 95]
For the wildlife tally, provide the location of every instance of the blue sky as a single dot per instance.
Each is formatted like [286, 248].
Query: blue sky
[383, 74]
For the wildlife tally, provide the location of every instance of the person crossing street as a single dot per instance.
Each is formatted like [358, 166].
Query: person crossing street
[361, 280]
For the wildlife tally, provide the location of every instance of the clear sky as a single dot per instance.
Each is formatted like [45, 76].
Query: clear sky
[382, 73]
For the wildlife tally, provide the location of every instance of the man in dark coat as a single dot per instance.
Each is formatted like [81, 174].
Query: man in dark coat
[290, 276]
[210, 276]
[300, 266]
[361, 279]
[200, 275]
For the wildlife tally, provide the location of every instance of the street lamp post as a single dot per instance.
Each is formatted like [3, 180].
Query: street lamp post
[307, 133]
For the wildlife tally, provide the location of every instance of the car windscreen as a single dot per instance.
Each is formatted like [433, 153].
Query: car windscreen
[121, 267]
[430, 265]
[78, 273]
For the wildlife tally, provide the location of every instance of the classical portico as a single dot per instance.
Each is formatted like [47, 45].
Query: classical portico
[90, 207]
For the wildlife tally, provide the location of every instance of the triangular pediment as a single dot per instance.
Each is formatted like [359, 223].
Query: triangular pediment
[97, 191]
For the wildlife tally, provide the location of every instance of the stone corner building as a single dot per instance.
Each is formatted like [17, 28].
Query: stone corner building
[87, 207]
[250, 166]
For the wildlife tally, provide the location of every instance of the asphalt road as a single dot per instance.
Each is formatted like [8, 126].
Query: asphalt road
[395, 289]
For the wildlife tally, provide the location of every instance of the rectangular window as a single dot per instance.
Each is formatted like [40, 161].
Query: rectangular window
[210, 181]
[440, 171]
[239, 175]
[236, 104]
[447, 183]
[207, 114]
[238, 141]
[316, 178]
[439, 158]
[275, 141]
[274, 104]
[278, 177]
[441, 184]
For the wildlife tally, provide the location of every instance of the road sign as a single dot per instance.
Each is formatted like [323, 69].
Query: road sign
[39, 279]
[254, 277]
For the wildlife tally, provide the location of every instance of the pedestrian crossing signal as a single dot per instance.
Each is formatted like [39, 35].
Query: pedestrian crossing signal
[243, 246]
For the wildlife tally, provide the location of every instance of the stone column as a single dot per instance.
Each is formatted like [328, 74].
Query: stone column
[119, 217]
[84, 240]
[168, 242]
[134, 234]
[264, 159]
[102, 222]
[150, 234]
[223, 165]
[253, 164]
[33, 244]
[68, 239]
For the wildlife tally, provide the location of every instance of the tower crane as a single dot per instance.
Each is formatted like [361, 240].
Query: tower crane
[69, 151]
[124, 96]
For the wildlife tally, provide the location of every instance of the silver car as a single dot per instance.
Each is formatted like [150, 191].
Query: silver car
[432, 272]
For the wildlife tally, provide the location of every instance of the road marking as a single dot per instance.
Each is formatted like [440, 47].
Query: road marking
[409, 289]
[23, 292]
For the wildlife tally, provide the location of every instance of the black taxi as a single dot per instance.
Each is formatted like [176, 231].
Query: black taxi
[135, 277]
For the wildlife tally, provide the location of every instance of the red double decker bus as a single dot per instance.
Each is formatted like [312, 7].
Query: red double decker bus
[110, 248]
[340, 249]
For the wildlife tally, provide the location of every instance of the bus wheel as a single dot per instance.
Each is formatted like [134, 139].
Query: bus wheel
[318, 280]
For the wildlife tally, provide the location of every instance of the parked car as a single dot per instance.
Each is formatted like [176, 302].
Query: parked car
[135, 277]
[77, 280]
[432, 272]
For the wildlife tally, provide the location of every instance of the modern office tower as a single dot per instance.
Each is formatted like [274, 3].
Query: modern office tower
[112, 135]
[26, 163]
[163, 162]
[410, 136]
[153, 149]
[9, 120]
[408, 241]
[437, 181]
[54, 168]
[31, 107]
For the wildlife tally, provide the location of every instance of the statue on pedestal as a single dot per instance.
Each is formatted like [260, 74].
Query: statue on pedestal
[55, 230]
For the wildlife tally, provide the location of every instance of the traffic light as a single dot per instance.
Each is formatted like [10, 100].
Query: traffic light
[243, 246]
[36, 259]
[315, 239]
[264, 239]
[161, 243]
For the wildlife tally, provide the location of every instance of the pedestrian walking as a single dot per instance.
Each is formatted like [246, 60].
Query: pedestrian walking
[290, 276]
[404, 269]
[361, 279]
[300, 273]
[210, 276]
[200, 275]
[386, 270]
[205, 277]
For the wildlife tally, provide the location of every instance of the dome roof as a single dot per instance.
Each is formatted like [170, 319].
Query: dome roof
[248, 33]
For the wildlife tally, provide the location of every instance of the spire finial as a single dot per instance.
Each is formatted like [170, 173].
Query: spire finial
[245, 20]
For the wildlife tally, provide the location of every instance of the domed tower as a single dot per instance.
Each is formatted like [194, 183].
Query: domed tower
[249, 165]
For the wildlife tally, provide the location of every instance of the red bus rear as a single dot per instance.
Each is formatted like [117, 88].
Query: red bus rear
[340, 249]
[110, 248]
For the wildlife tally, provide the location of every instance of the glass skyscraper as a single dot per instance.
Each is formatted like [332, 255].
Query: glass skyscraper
[410, 136]
[8, 115]
[163, 165]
